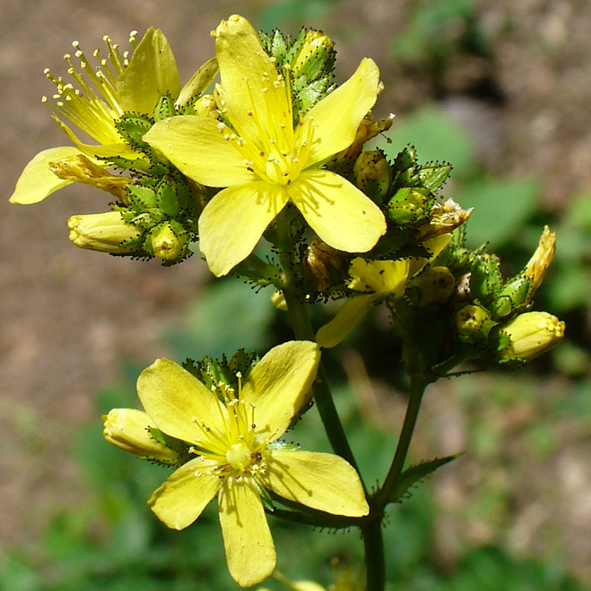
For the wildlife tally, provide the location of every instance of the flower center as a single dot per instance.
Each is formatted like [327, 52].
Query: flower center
[239, 456]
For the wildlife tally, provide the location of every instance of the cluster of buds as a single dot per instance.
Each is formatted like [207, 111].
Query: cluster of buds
[496, 321]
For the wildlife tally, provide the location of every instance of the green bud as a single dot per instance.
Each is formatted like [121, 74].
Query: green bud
[373, 174]
[409, 206]
[473, 323]
[435, 286]
[104, 232]
[167, 244]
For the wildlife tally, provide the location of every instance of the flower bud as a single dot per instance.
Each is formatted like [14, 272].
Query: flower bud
[409, 206]
[80, 169]
[540, 261]
[373, 174]
[205, 106]
[323, 265]
[530, 335]
[167, 245]
[473, 323]
[133, 431]
[435, 286]
[314, 56]
[105, 232]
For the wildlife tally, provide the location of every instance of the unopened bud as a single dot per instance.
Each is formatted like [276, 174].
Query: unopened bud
[435, 286]
[373, 174]
[530, 335]
[133, 431]
[409, 206]
[473, 323]
[168, 245]
[315, 55]
[542, 258]
[80, 169]
[105, 232]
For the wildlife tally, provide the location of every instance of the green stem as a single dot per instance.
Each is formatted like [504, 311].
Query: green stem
[375, 562]
[417, 389]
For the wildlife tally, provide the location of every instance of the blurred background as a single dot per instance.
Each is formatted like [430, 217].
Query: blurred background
[502, 90]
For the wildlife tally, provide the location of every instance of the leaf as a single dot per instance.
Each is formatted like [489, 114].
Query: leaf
[416, 474]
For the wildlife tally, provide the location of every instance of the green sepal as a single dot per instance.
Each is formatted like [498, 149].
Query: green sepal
[513, 296]
[404, 168]
[142, 197]
[486, 279]
[275, 44]
[416, 474]
[409, 206]
[165, 108]
[167, 199]
[133, 127]
[433, 175]
[173, 443]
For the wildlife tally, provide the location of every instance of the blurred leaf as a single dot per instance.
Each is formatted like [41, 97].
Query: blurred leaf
[578, 214]
[570, 288]
[501, 208]
[228, 316]
[436, 138]
[283, 14]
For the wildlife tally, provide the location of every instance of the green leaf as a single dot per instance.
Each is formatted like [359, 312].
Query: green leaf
[436, 137]
[501, 208]
[416, 474]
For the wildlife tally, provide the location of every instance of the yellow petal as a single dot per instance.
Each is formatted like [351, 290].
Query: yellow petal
[100, 151]
[338, 212]
[129, 430]
[184, 495]
[386, 276]
[173, 398]
[247, 73]
[151, 72]
[280, 384]
[338, 116]
[234, 220]
[322, 481]
[199, 81]
[37, 181]
[435, 246]
[348, 316]
[250, 551]
[196, 146]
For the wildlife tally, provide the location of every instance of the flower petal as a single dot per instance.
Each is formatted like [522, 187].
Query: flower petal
[234, 220]
[348, 316]
[184, 495]
[151, 72]
[250, 551]
[173, 398]
[338, 115]
[196, 146]
[252, 101]
[322, 481]
[435, 246]
[386, 276]
[279, 385]
[37, 181]
[199, 81]
[337, 211]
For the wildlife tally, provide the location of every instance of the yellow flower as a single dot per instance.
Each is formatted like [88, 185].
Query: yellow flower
[104, 93]
[264, 161]
[531, 334]
[234, 438]
[376, 280]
